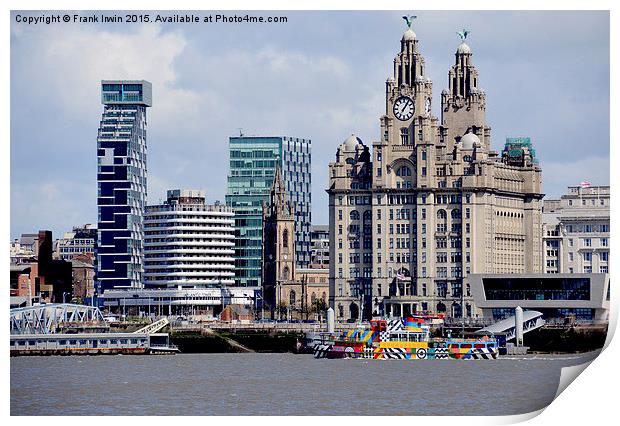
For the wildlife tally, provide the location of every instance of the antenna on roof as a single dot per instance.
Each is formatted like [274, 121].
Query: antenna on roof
[240, 132]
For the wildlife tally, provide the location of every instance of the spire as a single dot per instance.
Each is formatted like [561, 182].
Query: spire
[463, 78]
[278, 183]
[278, 202]
[463, 102]
[408, 63]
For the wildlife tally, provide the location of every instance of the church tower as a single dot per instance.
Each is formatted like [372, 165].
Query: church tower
[463, 103]
[278, 243]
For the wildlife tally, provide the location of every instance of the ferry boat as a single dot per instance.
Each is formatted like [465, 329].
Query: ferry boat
[91, 344]
[406, 338]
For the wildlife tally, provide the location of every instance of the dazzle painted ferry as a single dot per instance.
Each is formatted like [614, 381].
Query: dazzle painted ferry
[406, 338]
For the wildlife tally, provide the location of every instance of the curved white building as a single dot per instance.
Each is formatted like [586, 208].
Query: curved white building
[188, 243]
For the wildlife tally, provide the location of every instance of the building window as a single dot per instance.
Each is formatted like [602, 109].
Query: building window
[404, 136]
[587, 242]
[285, 238]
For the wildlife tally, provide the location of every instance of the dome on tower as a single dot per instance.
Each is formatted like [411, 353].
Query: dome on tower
[351, 142]
[409, 35]
[463, 48]
[469, 141]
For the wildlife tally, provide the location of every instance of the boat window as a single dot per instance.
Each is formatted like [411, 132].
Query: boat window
[479, 345]
[63, 342]
[114, 342]
[134, 341]
[31, 342]
[123, 341]
[72, 342]
[82, 342]
[466, 345]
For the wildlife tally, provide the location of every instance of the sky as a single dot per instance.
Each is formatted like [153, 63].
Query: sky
[320, 75]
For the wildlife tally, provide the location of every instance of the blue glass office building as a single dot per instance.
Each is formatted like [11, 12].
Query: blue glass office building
[252, 164]
[121, 183]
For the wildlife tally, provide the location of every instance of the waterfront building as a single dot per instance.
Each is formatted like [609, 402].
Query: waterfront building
[188, 243]
[432, 202]
[578, 297]
[121, 183]
[42, 279]
[80, 241]
[83, 274]
[319, 247]
[576, 231]
[200, 302]
[253, 161]
[23, 249]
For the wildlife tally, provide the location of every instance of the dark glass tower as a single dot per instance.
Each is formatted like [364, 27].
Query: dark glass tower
[121, 183]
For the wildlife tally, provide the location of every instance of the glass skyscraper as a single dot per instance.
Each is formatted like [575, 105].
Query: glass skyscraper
[253, 161]
[121, 183]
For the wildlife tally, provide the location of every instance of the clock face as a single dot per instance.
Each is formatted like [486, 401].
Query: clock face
[428, 105]
[403, 108]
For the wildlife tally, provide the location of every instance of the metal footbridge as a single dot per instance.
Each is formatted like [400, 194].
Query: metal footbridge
[532, 320]
[47, 319]
[51, 318]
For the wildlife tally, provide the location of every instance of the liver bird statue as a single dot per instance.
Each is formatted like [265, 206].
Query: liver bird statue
[409, 19]
[463, 34]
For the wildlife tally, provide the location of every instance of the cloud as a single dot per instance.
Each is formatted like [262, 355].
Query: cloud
[71, 62]
[558, 175]
[320, 77]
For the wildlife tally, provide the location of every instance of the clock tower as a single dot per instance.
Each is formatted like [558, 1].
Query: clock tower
[408, 93]
[278, 243]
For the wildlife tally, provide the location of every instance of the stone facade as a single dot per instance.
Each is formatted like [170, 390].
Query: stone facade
[288, 292]
[278, 245]
[576, 231]
[432, 202]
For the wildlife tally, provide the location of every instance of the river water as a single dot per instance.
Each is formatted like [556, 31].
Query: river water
[281, 384]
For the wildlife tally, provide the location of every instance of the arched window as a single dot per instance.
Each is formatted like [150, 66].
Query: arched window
[367, 216]
[353, 311]
[292, 298]
[285, 238]
[354, 215]
[285, 273]
[456, 214]
[403, 171]
[441, 307]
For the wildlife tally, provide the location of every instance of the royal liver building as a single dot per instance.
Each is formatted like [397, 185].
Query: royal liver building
[432, 202]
